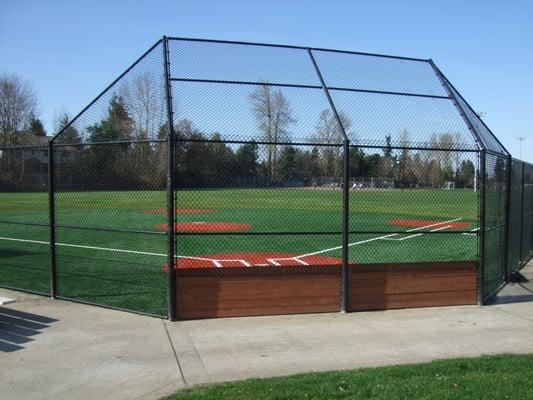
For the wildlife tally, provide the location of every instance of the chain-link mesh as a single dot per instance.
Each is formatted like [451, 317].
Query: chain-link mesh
[110, 175]
[494, 257]
[483, 134]
[515, 217]
[24, 232]
[296, 172]
[527, 214]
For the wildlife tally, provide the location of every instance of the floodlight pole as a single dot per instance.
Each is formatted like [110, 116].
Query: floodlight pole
[345, 190]
[171, 271]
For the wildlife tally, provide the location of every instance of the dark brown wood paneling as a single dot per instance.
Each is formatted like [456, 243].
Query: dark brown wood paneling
[237, 292]
[402, 285]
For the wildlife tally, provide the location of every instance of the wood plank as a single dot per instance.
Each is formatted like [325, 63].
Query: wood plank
[409, 300]
[230, 296]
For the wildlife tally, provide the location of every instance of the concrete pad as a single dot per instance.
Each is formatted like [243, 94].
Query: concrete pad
[84, 352]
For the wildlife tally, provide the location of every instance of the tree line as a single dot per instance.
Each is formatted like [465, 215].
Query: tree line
[204, 160]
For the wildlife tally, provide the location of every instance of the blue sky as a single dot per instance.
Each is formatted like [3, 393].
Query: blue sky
[71, 50]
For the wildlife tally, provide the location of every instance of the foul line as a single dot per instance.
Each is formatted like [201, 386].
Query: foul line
[78, 246]
[370, 240]
[218, 262]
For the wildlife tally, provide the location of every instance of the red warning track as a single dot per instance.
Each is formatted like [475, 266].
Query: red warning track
[205, 226]
[421, 223]
[253, 259]
[181, 211]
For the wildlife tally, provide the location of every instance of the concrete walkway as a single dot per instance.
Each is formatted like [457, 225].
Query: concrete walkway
[61, 350]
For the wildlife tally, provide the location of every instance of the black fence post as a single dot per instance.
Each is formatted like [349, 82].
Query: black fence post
[52, 219]
[481, 251]
[345, 226]
[345, 188]
[171, 272]
[508, 188]
[522, 183]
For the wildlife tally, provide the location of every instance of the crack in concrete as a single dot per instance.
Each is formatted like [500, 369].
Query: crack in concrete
[175, 355]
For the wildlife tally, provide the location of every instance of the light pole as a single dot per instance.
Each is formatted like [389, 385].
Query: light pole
[520, 140]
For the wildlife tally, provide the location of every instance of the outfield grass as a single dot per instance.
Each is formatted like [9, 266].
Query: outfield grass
[495, 377]
[136, 281]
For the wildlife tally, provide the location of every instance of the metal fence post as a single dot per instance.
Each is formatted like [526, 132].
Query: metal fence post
[171, 272]
[52, 219]
[481, 251]
[345, 226]
[522, 183]
[345, 189]
[507, 213]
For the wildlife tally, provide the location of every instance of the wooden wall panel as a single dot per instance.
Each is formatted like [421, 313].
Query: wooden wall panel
[403, 285]
[254, 291]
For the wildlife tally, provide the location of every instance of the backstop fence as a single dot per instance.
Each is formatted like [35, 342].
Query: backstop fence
[219, 178]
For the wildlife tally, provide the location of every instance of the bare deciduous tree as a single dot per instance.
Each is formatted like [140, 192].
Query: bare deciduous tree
[273, 115]
[143, 100]
[328, 131]
[18, 106]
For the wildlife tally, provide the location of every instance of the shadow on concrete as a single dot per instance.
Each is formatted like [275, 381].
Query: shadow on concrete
[18, 328]
[519, 292]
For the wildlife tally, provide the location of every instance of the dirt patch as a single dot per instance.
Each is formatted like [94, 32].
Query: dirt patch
[421, 223]
[181, 211]
[205, 227]
[254, 259]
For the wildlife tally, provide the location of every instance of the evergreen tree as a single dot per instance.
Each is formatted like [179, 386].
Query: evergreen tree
[246, 162]
[287, 164]
[36, 127]
[69, 134]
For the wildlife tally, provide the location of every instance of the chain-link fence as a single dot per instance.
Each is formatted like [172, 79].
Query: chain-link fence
[222, 178]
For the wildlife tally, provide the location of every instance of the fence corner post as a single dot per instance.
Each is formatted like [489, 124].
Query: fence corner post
[481, 245]
[171, 271]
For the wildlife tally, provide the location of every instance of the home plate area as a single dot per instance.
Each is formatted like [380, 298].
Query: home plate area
[279, 259]
[253, 259]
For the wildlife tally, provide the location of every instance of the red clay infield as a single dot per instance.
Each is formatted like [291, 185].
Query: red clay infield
[419, 223]
[253, 259]
[181, 211]
[205, 226]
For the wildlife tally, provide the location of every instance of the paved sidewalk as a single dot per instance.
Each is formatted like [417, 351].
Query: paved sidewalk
[61, 350]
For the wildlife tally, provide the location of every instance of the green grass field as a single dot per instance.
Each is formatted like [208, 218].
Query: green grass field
[305, 220]
[495, 377]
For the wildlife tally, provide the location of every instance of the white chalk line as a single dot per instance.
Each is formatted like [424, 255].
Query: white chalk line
[475, 230]
[384, 237]
[274, 261]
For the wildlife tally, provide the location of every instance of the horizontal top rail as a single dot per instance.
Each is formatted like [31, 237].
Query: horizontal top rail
[83, 144]
[299, 86]
[286, 46]
[24, 147]
[258, 142]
